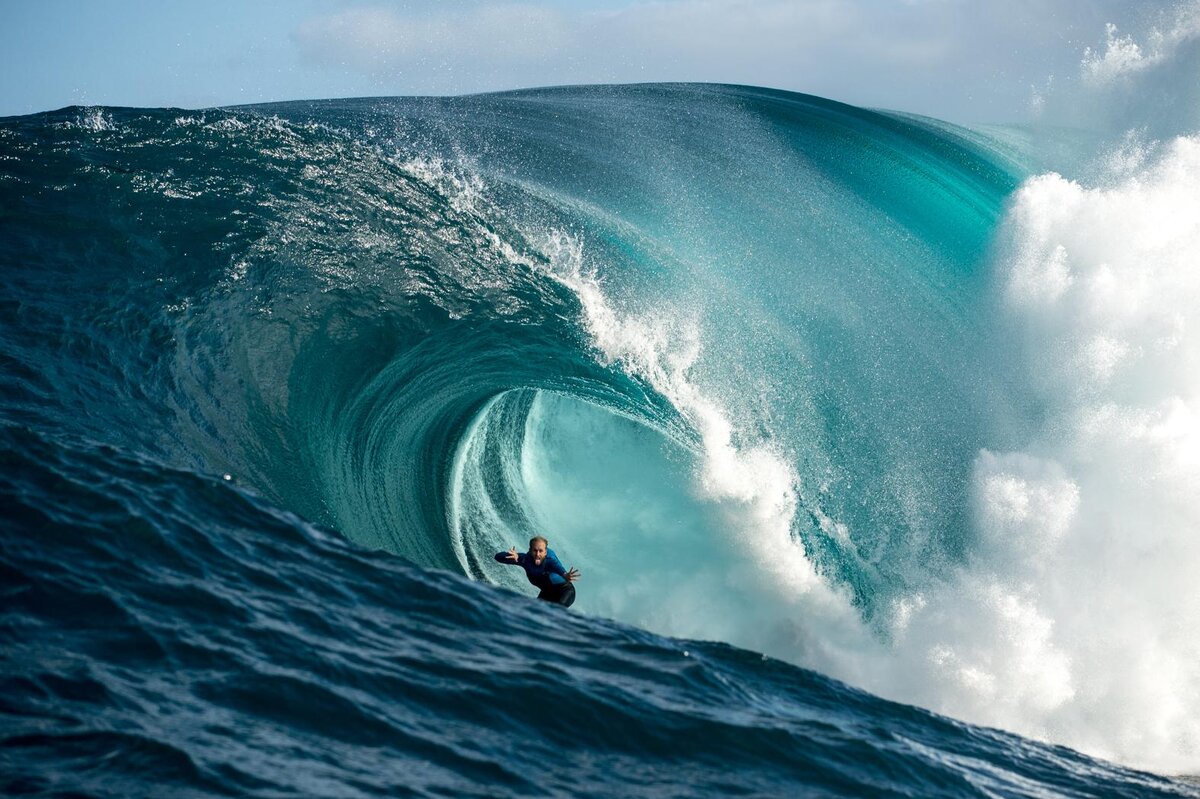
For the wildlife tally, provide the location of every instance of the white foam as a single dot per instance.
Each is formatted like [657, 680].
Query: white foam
[1123, 56]
[96, 120]
[1078, 619]
[460, 184]
[1146, 79]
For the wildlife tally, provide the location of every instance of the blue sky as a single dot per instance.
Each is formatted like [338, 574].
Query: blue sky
[964, 60]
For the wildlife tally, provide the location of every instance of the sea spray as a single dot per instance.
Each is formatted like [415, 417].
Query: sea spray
[1098, 510]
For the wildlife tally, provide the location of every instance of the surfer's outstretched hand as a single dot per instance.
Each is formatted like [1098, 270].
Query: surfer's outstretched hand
[573, 575]
[512, 555]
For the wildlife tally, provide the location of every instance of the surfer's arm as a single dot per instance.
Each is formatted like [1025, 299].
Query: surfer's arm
[558, 575]
[508, 559]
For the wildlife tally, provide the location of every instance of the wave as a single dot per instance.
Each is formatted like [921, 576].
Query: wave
[768, 368]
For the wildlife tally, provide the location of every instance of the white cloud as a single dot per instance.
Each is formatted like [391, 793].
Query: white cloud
[965, 60]
[931, 56]
[380, 40]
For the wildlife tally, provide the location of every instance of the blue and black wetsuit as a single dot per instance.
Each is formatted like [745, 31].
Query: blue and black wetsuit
[550, 576]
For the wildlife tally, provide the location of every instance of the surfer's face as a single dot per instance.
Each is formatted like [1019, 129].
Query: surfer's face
[538, 551]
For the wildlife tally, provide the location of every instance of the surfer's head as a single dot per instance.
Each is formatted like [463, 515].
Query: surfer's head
[537, 548]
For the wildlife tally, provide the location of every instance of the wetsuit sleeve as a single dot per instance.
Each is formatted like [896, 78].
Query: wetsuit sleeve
[555, 570]
[502, 557]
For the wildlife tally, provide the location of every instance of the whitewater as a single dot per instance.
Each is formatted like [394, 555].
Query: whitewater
[874, 436]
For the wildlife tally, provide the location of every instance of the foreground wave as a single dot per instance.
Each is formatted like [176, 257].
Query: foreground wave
[167, 633]
[769, 369]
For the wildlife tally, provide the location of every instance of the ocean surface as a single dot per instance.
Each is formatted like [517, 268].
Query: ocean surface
[875, 439]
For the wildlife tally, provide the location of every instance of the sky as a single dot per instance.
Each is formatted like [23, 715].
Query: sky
[970, 61]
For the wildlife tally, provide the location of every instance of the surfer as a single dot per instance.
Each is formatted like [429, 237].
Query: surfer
[544, 570]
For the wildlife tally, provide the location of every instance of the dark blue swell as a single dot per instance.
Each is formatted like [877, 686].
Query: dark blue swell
[165, 633]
